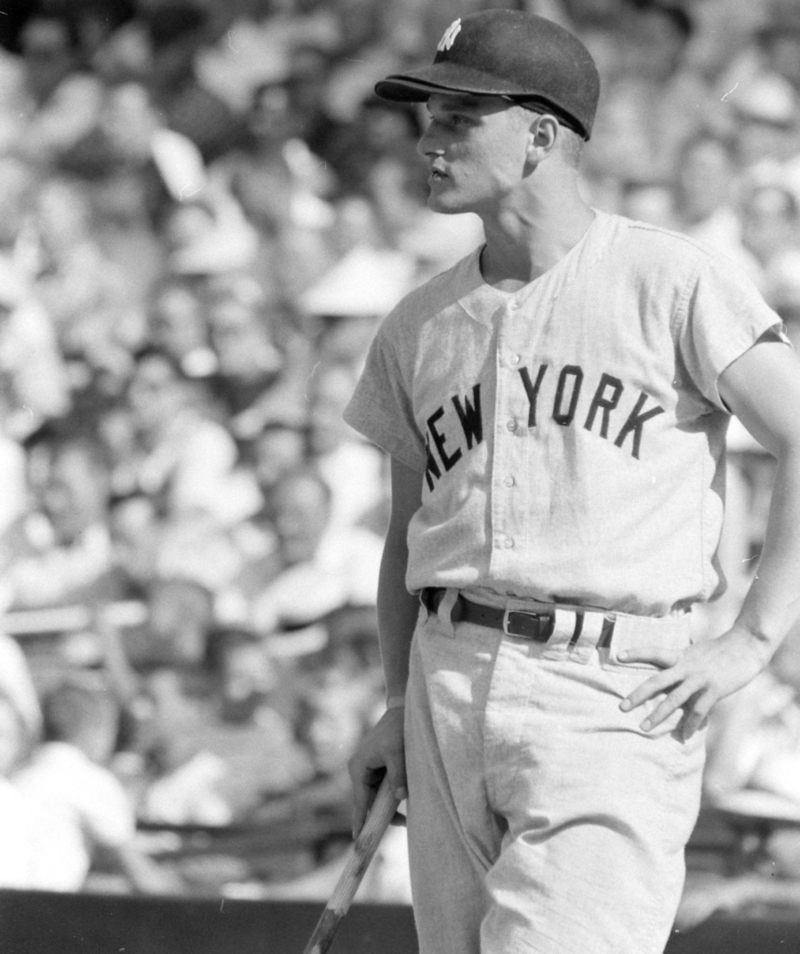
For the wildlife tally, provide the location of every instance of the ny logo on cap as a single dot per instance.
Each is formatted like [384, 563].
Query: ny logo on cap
[450, 35]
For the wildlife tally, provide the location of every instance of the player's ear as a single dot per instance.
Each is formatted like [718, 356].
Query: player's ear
[543, 135]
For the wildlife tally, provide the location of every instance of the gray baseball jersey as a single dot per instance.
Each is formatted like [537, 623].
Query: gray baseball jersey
[569, 436]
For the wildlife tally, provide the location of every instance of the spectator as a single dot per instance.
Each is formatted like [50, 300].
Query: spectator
[180, 620]
[62, 553]
[273, 170]
[188, 460]
[249, 363]
[177, 324]
[80, 807]
[770, 214]
[33, 378]
[779, 40]
[705, 197]
[241, 730]
[175, 32]
[379, 132]
[764, 114]
[133, 527]
[62, 102]
[354, 470]
[283, 188]
[206, 232]
[280, 448]
[162, 702]
[650, 95]
[85, 294]
[325, 567]
[116, 429]
[115, 162]
[338, 707]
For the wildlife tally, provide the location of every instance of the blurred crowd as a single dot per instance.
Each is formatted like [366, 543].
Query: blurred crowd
[204, 212]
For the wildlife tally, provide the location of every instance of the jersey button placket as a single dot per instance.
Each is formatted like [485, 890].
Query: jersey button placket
[511, 537]
[509, 422]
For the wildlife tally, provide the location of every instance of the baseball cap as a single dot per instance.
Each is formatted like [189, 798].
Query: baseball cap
[508, 53]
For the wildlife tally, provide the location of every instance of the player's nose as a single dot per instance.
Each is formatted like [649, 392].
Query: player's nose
[430, 144]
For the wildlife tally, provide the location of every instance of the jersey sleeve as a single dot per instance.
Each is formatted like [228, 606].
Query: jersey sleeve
[722, 316]
[381, 409]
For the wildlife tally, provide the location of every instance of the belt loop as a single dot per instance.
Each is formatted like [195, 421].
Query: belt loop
[445, 610]
[558, 644]
[588, 638]
[609, 622]
[426, 601]
[576, 633]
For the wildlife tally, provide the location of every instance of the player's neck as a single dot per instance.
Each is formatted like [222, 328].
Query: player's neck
[528, 239]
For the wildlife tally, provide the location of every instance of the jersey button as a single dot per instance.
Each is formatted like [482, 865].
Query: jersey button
[511, 425]
[508, 543]
[509, 481]
[514, 359]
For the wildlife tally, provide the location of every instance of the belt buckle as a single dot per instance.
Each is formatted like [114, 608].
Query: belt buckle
[534, 626]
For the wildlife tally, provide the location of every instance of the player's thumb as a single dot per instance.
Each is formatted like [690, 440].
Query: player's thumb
[396, 772]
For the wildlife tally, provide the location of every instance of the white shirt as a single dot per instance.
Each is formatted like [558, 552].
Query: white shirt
[78, 805]
[17, 854]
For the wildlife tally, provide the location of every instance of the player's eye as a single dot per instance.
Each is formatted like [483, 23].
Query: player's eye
[457, 120]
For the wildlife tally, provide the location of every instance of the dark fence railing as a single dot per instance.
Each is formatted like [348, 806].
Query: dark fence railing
[44, 923]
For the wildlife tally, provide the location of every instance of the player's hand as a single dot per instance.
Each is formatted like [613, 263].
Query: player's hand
[696, 679]
[381, 752]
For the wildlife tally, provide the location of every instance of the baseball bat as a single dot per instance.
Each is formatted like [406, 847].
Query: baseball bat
[361, 854]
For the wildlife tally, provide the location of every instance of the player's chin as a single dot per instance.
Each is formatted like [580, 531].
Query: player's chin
[445, 202]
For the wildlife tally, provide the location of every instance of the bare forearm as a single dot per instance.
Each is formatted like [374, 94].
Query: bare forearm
[382, 751]
[397, 617]
[762, 388]
[772, 603]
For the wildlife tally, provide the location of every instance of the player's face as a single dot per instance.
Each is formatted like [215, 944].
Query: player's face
[477, 151]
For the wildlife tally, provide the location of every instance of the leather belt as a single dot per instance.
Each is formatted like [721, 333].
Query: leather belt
[535, 626]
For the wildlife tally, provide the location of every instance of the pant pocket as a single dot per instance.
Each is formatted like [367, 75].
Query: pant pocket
[666, 645]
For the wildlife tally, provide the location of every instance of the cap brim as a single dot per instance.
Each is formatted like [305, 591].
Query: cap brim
[405, 91]
[417, 86]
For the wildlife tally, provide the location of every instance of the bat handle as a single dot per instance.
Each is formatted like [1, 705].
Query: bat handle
[359, 858]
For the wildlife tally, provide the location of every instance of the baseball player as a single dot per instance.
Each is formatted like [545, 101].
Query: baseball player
[555, 408]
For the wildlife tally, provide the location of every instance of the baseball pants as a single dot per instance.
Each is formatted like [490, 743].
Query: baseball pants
[541, 818]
